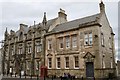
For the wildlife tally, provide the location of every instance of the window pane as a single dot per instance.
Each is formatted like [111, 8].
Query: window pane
[68, 42]
[86, 39]
[74, 41]
[76, 62]
[50, 62]
[67, 62]
[58, 62]
[49, 44]
[102, 39]
[90, 39]
[60, 42]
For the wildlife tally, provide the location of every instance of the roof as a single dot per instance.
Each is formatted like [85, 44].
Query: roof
[75, 23]
[26, 29]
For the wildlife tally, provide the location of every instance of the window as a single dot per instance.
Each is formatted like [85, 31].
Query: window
[110, 43]
[67, 42]
[20, 48]
[28, 65]
[20, 51]
[88, 39]
[49, 62]
[37, 65]
[58, 62]
[102, 39]
[76, 58]
[21, 36]
[60, 42]
[74, 41]
[66, 62]
[103, 64]
[38, 46]
[12, 50]
[49, 44]
[29, 48]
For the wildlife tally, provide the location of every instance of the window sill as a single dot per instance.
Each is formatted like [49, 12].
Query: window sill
[76, 68]
[88, 46]
[66, 68]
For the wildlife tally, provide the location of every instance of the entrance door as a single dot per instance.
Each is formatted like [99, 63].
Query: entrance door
[89, 69]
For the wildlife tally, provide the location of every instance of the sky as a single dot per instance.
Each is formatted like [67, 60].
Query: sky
[14, 12]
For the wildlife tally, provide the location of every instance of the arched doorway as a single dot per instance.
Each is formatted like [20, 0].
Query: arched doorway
[89, 64]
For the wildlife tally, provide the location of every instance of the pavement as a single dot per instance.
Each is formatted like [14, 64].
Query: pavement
[5, 77]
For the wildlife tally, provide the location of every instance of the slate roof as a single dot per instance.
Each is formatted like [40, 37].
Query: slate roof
[26, 29]
[75, 23]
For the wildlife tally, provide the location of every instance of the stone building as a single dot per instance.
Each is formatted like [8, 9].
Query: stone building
[118, 68]
[24, 49]
[81, 47]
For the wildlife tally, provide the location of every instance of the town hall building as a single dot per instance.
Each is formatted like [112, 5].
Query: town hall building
[82, 47]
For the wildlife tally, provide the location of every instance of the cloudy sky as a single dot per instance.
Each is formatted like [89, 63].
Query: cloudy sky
[14, 12]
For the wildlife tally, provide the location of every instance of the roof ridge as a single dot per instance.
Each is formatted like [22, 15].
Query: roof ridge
[79, 19]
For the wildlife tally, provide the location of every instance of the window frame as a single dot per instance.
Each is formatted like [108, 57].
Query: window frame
[50, 63]
[61, 42]
[67, 62]
[67, 42]
[75, 62]
[74, 41]
[58, 63]
[49, 44]
[88, 37]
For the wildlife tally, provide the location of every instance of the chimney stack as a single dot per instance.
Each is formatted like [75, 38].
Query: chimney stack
[62, 14]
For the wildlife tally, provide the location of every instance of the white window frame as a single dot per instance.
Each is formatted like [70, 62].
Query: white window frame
[75, 61]
[38, 46]
[66, 63]
[88, 37]
[74, 41]
[67, 42]
[58, 62]
[49, 63]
